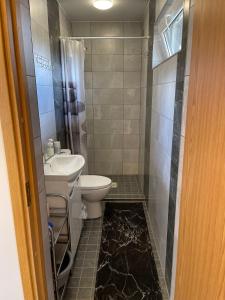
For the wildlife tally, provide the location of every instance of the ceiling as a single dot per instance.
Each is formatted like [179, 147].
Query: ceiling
[122, 10]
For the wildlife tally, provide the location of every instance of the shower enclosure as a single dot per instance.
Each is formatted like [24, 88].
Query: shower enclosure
[115, 76]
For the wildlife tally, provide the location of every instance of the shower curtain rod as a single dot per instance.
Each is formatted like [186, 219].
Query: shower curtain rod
[101, 37]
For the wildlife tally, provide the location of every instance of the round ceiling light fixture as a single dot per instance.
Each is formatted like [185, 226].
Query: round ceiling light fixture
[103, 4]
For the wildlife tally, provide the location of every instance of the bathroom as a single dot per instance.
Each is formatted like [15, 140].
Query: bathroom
[107, 93]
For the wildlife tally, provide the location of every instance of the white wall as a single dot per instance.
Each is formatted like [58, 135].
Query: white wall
[10, 278]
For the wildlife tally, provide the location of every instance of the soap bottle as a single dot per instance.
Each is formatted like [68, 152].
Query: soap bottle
[50, 148]
[57, 147]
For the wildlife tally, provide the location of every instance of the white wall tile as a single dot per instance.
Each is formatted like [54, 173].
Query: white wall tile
[107, 46]
[39, 163]
[43, 76]
[107, 62]
[185, 104]
[106, 29]
[88, 80]
[107, 80]
[130, 168]
[167, 71]
[65, 24]
[132, 46]
[108, 96]
[48, 128]
[40, 38]
[81, 28]
[108, 127]
[106, 141]
[45, 98]
[33, 103]
[132, 79]
[39, 12]
[132, 96]
[25, 30]
[109, 168]
[133, 29]
[131, 112]
[163, 99]
[132, 63]
[88, 63]
[131, 141]
[88, 96]
[131, 126]
[130, 155]
[108, 155]
[108, 112]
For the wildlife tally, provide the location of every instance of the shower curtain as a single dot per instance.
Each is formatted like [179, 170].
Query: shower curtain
[72, 57]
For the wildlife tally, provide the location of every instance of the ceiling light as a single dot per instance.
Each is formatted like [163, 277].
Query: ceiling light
[103, 4]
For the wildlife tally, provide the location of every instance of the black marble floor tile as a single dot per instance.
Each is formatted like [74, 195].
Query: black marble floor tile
[126, 267]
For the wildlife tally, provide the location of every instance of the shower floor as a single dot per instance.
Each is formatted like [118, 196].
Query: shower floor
[125, 187]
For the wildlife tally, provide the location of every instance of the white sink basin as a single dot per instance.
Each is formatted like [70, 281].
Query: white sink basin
[63, 167]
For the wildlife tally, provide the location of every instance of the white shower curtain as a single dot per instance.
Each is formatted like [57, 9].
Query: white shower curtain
[72, 57]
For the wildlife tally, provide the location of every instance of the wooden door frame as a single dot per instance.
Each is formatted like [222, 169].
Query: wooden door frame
[19, 151]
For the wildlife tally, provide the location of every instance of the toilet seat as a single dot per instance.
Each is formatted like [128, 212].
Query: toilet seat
[94, 182]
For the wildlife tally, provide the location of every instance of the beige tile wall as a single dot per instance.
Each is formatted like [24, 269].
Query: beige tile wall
[113, 82]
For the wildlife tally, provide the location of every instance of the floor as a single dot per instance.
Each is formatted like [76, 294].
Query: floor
[126, 266]
[82, 282]
[125, 187]
[81, 285]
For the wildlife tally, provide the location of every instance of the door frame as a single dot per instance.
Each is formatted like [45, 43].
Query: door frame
[19, 151]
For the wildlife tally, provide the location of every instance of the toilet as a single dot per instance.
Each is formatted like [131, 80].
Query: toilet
[93, 189]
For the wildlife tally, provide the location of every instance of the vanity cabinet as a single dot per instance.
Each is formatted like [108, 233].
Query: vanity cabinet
[72, 192]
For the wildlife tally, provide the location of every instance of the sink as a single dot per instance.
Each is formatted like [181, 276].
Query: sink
[63, 167]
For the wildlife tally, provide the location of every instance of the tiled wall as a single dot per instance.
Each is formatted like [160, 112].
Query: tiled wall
[113, 81]
[182, 140]
[57, 28]
[64, 24]
[27, 49]
[166, 148]
[146, 98]
[43, 68]
[163, 100]
[159, 6]
[144, 65]
[177, 144]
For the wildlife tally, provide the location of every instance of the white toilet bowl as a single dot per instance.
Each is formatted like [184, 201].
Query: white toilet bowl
[93, 190]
